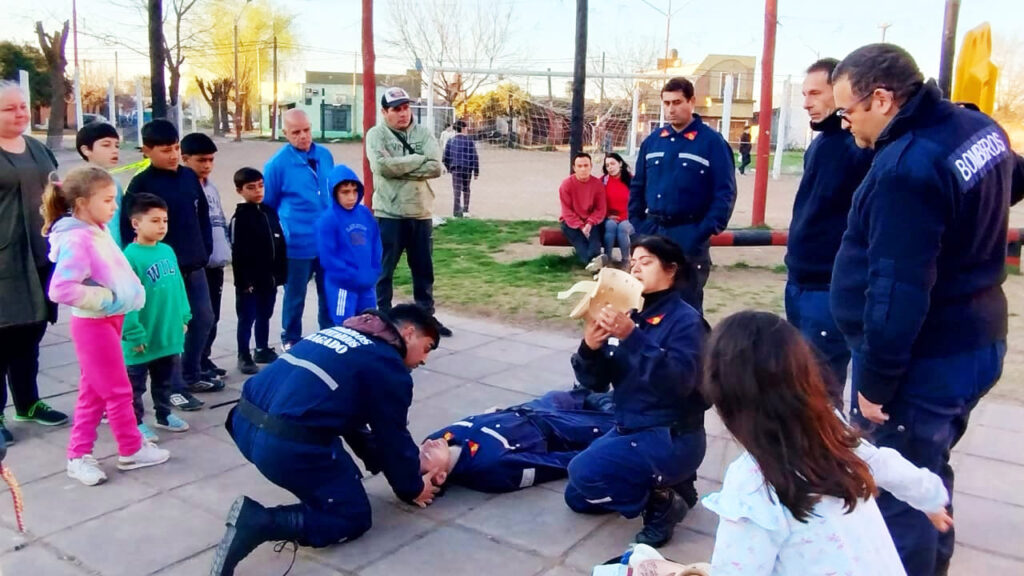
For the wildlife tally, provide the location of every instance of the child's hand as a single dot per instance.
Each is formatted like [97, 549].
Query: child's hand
[941, 520]
[139, 349]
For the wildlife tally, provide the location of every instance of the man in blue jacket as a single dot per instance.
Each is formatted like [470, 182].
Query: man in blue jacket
[521, 446]
[917, 284]
[295, 184]
[685, 184]
[833, 168]
[349, 382]
[461, 159]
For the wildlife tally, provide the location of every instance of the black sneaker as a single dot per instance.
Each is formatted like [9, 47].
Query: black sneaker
[211, 376]
[264, 355]
[248, 524]
[665, 508]
[204, 385]
[246, 364]
[208, 367]
[41, 413]
[185, 401]
[442, 329]
[8, 437]
[688, 490]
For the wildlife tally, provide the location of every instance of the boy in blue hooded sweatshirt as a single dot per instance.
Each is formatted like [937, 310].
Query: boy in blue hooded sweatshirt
[349, 246]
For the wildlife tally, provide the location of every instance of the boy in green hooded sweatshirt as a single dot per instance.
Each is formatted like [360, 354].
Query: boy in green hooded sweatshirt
[154, 337]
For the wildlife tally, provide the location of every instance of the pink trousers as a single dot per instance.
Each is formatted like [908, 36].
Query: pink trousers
[104, 386]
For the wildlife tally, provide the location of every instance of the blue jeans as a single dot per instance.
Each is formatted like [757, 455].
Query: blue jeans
[300, 271]
[587, 248]
[927, 418]
[617, 231]
[808, 309]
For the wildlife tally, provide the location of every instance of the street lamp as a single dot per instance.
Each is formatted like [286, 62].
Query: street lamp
[238, 91]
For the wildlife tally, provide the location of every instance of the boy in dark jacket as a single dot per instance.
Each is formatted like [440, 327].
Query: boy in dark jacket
[260, 265]
[348, 241]
[188, 234]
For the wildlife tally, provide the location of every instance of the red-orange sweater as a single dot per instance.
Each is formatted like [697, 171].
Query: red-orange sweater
[582, 202]
[618, 197]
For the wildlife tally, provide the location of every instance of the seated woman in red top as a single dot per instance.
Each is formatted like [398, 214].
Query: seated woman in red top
[616, 225]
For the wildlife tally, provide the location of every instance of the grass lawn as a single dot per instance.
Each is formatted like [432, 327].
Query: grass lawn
[792, 161]
[470, 279]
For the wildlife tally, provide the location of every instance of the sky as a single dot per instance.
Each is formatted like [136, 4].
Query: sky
[542, 31]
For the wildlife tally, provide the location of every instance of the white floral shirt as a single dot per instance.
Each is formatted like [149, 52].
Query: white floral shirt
[758, 535]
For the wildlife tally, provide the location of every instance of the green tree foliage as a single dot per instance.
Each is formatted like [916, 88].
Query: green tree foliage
[14, 57]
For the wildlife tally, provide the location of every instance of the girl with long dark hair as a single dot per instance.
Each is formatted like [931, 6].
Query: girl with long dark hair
[800, 499]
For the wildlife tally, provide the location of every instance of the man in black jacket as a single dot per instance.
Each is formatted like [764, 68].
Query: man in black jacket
[349, 382]
[917, 286]
[833, 168]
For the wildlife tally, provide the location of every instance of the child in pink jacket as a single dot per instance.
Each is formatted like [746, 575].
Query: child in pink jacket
[93, 277]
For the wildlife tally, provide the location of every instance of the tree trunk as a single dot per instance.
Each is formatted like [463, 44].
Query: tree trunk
[158, 88]
[224, 114]
[53, 50]
[174, 86]
[215, 106]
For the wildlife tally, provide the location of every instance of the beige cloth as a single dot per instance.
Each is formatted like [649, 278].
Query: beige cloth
[613, 288]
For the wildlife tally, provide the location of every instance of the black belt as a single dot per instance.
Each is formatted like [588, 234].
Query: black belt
[675, 220]
[283, 428]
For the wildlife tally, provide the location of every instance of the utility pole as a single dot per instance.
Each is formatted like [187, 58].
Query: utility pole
[765, 115]
[238, 87]
[948, 47]
[600, 98]
[579, 82]
[77, 78]
[884, 26]
[273, 114]
[551, 99]
[369, 97]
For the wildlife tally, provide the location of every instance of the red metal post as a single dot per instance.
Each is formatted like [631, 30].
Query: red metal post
[369, 97]
[764, 123]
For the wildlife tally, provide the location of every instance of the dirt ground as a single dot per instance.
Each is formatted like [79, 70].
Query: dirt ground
[518, 184]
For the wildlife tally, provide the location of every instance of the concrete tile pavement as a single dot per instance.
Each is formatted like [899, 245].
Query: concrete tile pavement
[166, 520]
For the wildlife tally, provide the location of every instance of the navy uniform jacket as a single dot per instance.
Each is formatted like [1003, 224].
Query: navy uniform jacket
[920, 270]
[654, 372]
[339, 380]
[685, 177]
[523, 445]
[833, 168]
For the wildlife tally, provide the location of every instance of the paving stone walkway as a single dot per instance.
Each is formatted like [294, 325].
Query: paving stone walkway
[167, 520]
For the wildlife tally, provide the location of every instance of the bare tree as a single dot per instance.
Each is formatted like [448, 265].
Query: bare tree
[462, 34]
[185, 37]
[158, 89]
[53, 49]
[216, 92]
[1008, 55]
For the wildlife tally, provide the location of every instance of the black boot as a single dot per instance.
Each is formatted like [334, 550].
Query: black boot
[664, 510]
[249, 524]
[688, 490]
[246, 364]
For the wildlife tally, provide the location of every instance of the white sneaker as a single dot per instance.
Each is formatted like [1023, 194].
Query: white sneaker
[148, 455]
[598, 262]
[86, 470]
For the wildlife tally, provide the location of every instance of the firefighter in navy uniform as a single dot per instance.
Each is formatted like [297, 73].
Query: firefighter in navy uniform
[652, 362]
[338, 382]
[685, 184]
[917, 285]
[519, 446]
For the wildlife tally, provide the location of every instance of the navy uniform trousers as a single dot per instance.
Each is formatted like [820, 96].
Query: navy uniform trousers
[324, 478]
[524, 445]
[698, 259]
[926, 419]
[619, 470]
[807, 308]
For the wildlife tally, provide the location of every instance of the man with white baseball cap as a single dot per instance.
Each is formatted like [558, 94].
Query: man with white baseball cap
[403, 155]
